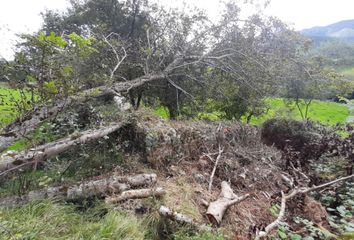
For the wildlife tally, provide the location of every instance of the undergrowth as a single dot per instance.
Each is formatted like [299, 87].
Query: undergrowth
[69, 168]
[48, 220]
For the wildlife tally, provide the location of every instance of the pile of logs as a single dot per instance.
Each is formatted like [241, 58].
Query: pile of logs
[122, 188]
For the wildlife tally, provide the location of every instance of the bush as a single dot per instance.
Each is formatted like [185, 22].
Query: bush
[288, 132]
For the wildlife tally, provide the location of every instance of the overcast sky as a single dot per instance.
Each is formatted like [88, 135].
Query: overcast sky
[22, 16]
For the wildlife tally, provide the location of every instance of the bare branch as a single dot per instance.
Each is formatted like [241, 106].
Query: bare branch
[221, 150]
[284, 198]
[119, 59]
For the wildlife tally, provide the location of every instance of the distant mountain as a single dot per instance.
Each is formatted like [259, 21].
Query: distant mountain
[341, 30]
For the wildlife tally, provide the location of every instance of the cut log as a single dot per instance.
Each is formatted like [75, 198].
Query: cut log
[227, 198]
[99, 188]
[113, 184]
[43, 152]
[134, 194]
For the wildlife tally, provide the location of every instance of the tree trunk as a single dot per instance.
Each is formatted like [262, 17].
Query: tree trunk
[32, 119]
[42, 153]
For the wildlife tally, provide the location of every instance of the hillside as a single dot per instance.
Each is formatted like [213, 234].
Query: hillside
[135, 120]
[343, 30]
[150, 178]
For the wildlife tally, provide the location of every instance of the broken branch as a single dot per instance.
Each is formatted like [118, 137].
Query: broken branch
[138, 193]
[227, 198]
[221, 150]
[284, 198]
[43, 152]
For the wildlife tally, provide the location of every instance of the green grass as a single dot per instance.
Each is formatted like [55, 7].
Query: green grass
[48, 220]
[325, 112]
[6, 106]
[348, 72]
[8, 98]
[41, 135]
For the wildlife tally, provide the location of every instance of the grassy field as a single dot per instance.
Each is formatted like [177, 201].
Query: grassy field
[325, 112]
[322, 111]
[9, 98]
[49, 220]
[348, 72]
[8, 111]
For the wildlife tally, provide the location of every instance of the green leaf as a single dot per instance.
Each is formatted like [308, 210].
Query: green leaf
[295, 237]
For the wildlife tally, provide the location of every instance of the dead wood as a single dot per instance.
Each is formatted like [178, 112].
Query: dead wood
[32, 119]
[175, 216]
[112, 184]
[99, 188]
[43, 152]
[137, 193]
[227, 198]
[221, 150]
[293, 193]
[181, 218]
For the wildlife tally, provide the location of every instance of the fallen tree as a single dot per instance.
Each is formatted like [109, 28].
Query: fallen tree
[43, 152]
[33, 118]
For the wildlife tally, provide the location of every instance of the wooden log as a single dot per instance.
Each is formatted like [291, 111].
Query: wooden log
[112, 184]
[175, 216]
[87, 189]
[181, 218]
[227, 198]
[43, 152]
[134, 194]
